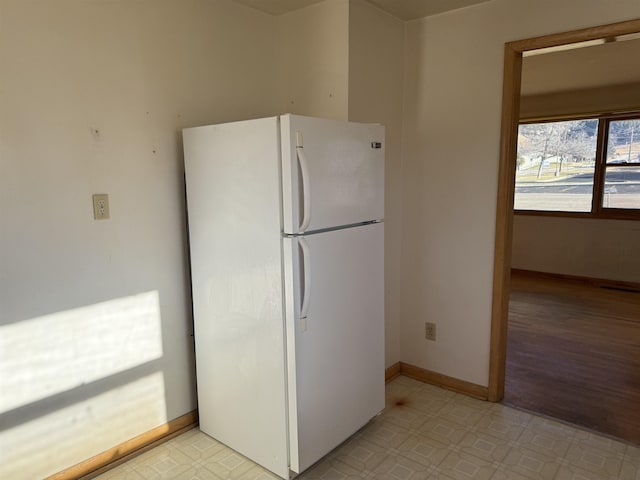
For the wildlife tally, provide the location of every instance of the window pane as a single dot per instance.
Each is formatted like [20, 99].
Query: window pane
[555, 166]
[624, 142]
[622, 187]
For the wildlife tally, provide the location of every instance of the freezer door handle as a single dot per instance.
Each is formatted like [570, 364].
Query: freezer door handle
[306, 186]
[306, 266]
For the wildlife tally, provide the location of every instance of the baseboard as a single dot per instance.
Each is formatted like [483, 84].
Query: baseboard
[125, 451]
[392, 372]
[596, 282]
[444, 381]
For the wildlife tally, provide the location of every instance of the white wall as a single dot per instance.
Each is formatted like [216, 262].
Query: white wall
[604, 99]
[375, 95]
[93, 96]
[608, 249]
[453, 85]
[313, 60]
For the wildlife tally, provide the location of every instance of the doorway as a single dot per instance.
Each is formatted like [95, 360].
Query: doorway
[506, 185]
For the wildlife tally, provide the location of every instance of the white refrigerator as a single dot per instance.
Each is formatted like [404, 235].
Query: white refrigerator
[286, 241]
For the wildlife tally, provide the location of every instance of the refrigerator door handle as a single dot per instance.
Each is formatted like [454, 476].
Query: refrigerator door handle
[306, 186]
[306, 266]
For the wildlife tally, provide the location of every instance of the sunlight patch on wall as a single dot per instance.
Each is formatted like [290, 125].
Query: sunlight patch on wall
[73, 434]
[55, 353]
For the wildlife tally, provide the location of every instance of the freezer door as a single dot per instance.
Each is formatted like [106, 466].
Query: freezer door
[332, 173]
[336, 354]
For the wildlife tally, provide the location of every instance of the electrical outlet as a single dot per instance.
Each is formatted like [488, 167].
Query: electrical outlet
[101, 206]
[430, 331]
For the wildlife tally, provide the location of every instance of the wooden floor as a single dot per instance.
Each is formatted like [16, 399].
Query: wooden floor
[573, 353]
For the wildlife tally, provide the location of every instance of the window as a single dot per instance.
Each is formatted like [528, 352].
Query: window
[583, 167]
[622, 166]
[556, 165]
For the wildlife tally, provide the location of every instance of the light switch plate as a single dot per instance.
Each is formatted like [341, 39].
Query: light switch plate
[101, 206]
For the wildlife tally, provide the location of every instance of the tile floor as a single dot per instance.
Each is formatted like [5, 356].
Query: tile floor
[433, 434]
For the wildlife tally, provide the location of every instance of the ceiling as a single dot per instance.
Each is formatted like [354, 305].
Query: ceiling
[403, 9]
[606, 64]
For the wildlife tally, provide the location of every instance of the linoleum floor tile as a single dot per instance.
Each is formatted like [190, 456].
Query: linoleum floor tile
[424, 433]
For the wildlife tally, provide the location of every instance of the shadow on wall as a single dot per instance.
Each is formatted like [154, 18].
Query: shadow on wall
[77, 382]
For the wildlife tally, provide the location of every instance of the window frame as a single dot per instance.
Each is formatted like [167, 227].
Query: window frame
[597, 194]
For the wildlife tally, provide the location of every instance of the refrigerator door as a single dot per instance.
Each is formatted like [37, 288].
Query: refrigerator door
[233, 197]
[335, 355]
[332, 173]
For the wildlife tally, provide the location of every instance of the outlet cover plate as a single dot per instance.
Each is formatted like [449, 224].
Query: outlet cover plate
[101, 206]
[430, 331]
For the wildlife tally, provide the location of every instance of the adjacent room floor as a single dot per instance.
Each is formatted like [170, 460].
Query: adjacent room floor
[574, 353]
[424, 433]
